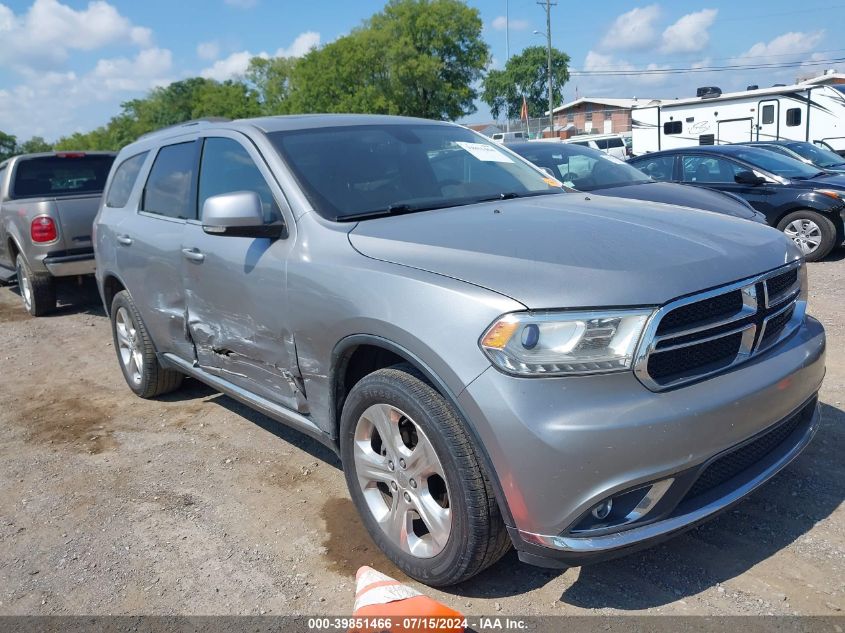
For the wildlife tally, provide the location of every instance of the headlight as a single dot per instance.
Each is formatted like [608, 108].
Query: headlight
[560, 343]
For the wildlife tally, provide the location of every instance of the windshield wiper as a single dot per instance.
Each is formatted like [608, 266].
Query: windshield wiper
[821, 173]
[400, 208]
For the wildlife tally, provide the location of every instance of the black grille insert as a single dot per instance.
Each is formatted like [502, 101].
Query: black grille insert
[781, 283]
[662, 366]
[776, 324]
[737, 461]
[700, 312]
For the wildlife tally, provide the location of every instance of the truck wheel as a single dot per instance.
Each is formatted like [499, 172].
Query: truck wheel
[38, 291]
[813, 233]
[416, 480]
[141, 369]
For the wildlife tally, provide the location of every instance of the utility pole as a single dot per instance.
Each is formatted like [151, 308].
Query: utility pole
[507, 53]
[549, 4]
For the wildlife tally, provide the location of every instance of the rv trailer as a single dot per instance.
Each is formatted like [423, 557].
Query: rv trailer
[801, 112]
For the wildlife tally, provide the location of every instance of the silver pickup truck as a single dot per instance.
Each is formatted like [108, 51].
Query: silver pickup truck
[47, 208]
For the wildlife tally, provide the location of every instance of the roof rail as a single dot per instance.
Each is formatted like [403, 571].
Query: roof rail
[192, 122]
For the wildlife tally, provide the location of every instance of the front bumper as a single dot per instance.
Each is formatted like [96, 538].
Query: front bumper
[70, 265]
[561, 445]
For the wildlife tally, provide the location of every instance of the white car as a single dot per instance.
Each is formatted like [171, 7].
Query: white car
[612, 144]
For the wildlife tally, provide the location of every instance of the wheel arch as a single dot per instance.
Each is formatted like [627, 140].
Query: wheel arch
[343, 357]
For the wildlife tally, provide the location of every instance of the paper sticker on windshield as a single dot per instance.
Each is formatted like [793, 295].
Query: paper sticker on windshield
[485, 152]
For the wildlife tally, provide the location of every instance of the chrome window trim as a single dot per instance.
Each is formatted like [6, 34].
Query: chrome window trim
[752, 342]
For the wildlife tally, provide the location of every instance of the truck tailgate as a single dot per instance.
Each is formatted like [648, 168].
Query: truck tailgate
[75, 215]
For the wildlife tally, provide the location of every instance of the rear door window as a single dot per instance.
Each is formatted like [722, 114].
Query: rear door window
[226, 168]
[709, 169]
[658, 167]
[169, 190]
[64, 174]
[124, 181]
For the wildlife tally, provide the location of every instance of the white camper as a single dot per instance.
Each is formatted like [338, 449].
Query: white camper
[802, 112]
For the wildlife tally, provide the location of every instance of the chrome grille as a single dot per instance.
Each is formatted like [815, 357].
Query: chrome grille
[701, 335]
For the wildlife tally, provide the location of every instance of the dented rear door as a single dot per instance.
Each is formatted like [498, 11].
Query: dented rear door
[235, 286]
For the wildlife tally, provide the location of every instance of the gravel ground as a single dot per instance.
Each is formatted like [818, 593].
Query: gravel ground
[194, 504]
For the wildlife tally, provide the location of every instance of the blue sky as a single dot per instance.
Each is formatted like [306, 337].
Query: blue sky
[66, 65]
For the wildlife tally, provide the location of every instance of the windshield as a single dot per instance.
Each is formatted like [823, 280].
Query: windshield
[821, 157]
[777, 164]
[62, 174]
[352, 171]
[583, 168]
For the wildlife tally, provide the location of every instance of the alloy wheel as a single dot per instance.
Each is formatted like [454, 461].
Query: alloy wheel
[25, 286]
[403, 480]
[129, 345]
[805, 233]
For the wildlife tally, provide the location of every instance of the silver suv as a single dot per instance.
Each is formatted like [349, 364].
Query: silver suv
[498, 361]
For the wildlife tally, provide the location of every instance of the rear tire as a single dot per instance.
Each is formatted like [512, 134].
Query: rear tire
[38, 291]
[813, 234]
[136, 353]
[435, 463]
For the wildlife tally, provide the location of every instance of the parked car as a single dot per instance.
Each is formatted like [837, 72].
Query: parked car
[587, 169]
[47, 207]
[612, 144]
[801, 200]
[809, 153]
[430, 305]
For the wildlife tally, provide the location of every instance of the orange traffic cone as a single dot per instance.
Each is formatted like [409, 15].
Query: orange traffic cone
[384, 604]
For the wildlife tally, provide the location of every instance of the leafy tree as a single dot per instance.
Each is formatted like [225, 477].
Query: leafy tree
[526, 74]
[271, 80]
[8, 145]
[34, 145]
[416, 58]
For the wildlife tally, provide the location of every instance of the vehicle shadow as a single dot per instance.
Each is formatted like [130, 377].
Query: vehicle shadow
[770, 519]
[73, 296]
[194, 390]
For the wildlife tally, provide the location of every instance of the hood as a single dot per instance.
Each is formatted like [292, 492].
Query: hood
[683, 195]
[576, 250]
[831, 180]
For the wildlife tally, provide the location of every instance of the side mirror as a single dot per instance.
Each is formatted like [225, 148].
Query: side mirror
[748, 178]
[238, 214]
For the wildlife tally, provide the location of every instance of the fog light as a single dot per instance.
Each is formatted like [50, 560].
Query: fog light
[602, 510]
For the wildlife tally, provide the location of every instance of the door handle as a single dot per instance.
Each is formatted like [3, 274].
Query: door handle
[125, 240]
[193, 254]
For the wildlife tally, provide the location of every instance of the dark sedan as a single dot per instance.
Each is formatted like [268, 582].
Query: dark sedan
[587, 169]
[804, 202]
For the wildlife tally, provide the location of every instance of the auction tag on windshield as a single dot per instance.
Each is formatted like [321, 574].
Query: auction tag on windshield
[485, 152]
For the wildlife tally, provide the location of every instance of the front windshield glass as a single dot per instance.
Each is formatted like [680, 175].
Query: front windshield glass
[583, 168]
[820, 156]
[371, 170]
[777, 164]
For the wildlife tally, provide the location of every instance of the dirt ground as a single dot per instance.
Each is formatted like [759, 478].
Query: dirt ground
[194, 504]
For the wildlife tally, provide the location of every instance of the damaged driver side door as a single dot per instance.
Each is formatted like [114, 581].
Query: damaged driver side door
[235, 286]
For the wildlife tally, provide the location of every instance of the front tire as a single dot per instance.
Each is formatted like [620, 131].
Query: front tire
[135, 352]
[813, 233]
[416, 479]
[38, 291]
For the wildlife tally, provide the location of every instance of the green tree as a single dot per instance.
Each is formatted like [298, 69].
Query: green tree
[416, 58]
[34, 145]
[526, 74]
[271, 80]
[8, 145]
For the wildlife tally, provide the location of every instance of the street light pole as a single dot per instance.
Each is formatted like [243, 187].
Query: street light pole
[549, 5]
[507, 54]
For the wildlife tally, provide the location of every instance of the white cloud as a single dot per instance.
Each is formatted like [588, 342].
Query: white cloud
[303, 43]
[235, 65]
[792, 43]
[501, 22]
[633, 30]
[42, 38]
[53, 104]
[208, 50]
[230, 67]
[690, 33]
[241, 4]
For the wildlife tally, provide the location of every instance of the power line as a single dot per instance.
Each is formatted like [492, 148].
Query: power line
[701, 69]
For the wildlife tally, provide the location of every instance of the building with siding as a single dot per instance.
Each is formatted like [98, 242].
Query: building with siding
[597, 115]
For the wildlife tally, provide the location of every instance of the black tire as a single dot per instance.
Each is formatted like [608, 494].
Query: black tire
[478, 537]
[826, 228]
[153, 379]
[38, 291]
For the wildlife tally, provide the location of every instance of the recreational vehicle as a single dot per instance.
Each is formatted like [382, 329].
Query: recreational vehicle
[802, 112]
